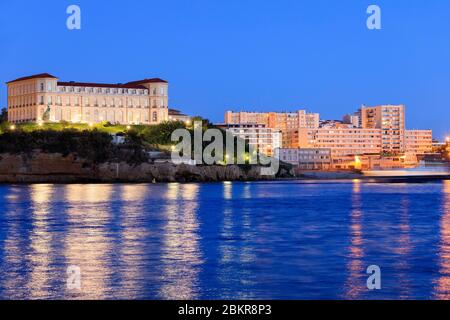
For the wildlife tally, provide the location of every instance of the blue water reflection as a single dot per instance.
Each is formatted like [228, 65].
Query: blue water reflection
[284, 240]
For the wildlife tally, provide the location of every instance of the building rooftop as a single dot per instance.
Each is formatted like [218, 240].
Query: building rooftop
[174, 112]
[35, 76]
[129, 85]
[101, 85]
[151, 80]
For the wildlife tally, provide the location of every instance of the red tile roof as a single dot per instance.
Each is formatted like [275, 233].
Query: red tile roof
[152, 80]
[100, 85]
[175, 112]
[36, 76]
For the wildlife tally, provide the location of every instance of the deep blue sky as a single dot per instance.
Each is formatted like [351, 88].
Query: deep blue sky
[245, 54]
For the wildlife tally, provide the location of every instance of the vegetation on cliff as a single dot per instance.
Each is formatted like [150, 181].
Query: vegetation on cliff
[92, 145]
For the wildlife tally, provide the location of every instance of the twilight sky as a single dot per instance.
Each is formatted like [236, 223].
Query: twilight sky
[244, 54]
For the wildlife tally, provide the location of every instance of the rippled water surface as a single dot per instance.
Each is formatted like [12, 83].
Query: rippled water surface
[284, 240]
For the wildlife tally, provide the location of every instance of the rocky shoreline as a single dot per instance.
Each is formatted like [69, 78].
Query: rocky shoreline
[38, 167]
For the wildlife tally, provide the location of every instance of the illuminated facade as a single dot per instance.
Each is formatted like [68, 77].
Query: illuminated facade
[306, 158]
[419, 141]
[372, 130]
[391, 120]
[42, 97]
[264, 139]
[286, 122]
[341, 140]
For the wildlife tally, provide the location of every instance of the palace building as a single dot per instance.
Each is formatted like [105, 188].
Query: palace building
[42, 98]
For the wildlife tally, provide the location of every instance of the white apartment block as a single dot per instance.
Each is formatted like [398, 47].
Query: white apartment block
[42, 97]
[306, 158]
[264, 139]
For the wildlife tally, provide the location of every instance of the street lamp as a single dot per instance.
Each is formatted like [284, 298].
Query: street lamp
[12, 127]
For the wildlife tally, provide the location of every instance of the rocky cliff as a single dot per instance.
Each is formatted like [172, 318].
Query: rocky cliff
[39, 167]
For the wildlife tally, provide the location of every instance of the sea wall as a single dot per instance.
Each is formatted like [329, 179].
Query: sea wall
[39, 167]
[330, 175]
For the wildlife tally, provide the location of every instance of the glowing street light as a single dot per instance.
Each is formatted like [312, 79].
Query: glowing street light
[12, 127]
[128, 127]
[447, 139]
[40, 124]
[357, 162]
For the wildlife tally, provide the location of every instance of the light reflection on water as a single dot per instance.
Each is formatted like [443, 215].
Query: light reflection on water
[355, 279]
[443, 283]
[226, 240]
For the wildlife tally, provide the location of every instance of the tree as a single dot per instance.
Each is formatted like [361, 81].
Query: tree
[3, 115]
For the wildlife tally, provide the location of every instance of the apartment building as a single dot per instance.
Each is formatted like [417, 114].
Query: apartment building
[306, 158]
[43, 98]
[353, 119]
[341, 140]
[391, 120]
[286, 122]
[372, 130]
[418, 141]
[265, 140]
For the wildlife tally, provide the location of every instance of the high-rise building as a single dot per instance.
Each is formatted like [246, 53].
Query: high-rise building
[42, 97]
[391, 120]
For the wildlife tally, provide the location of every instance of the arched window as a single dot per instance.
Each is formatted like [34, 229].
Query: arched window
[155, 116]
[119, 117]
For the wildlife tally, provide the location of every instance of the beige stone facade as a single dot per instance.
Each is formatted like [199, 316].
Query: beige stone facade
[42, 98]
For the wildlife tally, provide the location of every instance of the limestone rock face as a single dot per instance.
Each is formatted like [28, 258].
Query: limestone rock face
[53, 168]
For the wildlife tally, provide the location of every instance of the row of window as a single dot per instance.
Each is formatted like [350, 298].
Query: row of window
[21, 89]
[29, 101]
[95, 90]
[96, 116]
